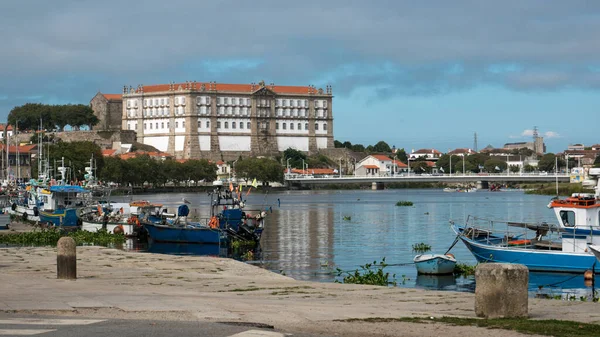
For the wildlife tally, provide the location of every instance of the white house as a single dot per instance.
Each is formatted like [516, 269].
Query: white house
[428, 154]
[461, 152]
[4, 129]
[379, 165]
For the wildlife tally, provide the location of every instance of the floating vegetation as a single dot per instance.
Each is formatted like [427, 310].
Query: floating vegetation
[243, 244]
[464, 269]
[370, 273]
[50, 237]
[347, 218]
[404, 203]
[421, 247]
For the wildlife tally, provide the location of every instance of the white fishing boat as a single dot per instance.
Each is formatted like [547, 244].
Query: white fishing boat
[435, 264]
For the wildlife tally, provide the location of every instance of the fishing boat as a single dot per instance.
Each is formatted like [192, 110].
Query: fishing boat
[561, 247]
[60, 204]
[228, 219]
[435, 264]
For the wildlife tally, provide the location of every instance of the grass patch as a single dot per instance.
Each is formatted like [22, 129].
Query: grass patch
[464, 269]
[552, 327]
[421, 247]
[404, 203]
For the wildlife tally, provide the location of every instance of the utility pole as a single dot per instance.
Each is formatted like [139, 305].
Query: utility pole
[475, 142]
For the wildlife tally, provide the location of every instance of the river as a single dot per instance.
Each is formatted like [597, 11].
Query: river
[310, 234]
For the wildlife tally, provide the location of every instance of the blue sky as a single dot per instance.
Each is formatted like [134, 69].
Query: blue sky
[415, 74]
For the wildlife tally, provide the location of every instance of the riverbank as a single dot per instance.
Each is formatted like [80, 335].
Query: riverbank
[118, 284]
[564, 189]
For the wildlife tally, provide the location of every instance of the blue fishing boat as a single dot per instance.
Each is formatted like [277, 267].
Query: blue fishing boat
[541, 246]
[60, 204]
[180, 230]
[435, 264]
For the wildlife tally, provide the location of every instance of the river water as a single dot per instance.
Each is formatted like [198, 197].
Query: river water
[310, 234]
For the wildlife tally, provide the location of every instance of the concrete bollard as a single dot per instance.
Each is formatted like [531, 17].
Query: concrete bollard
[66, 259]
[501, 290]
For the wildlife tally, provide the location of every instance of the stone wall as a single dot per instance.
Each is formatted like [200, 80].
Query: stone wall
[104, 139]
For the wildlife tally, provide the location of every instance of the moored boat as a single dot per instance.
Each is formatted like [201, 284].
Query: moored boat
[435, 264]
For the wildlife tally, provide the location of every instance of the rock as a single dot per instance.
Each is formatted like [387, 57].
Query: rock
[501, 290]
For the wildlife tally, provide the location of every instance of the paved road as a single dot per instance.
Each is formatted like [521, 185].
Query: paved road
[52, 326]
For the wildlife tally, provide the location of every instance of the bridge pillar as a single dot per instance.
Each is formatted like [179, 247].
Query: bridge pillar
[377, 186]
[483, 185]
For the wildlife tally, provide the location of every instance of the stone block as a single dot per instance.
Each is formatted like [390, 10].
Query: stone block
[501, 290]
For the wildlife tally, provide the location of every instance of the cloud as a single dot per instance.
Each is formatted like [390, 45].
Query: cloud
[68, 49]
[551, 134]
[527, 133]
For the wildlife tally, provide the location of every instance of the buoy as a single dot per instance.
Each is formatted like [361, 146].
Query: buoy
[450, 254]
[588, 275]
[119, 230]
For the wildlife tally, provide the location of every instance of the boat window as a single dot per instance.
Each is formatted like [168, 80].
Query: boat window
[567, 218]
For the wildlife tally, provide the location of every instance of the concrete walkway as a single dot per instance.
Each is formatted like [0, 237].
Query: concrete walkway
[118, 284]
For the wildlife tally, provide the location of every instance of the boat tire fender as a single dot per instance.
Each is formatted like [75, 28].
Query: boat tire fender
[25, 215]
[13, 206]
[36, 211]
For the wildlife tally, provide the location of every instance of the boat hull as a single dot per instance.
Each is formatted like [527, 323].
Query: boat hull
[173, 234]
[533, 259]
[128, 229]
[433, 264]
[65, 217]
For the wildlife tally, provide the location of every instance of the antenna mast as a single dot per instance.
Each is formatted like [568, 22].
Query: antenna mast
[475, 142]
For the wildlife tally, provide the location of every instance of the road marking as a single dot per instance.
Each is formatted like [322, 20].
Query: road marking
[23, 332]
[49, 321]
[258, 333]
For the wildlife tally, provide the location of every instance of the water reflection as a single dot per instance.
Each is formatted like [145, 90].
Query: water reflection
[314, 232]
[437, 282]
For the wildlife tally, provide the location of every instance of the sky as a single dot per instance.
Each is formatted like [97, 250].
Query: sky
[416, 74]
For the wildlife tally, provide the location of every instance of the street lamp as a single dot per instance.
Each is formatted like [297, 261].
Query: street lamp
[395, 166]
[303, 172]
[288, 165]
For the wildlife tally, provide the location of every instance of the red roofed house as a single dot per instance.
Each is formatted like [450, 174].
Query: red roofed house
[109, 110]
[428, 154]
[6, 130]
[379, 165]
[195, 120]
[108, 152]
[461, 152]
[152, 154]
[18, 157]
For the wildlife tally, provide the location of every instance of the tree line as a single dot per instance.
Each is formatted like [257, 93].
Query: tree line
[52, 117]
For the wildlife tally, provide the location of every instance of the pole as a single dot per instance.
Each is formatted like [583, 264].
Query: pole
[340, 167]
[287, 165]
[463, 164]
[556, 173]
[303, 172]
[451, 164]
[567, 163]
[507, 165]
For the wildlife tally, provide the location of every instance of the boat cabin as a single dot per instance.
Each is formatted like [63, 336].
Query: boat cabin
[580, 210]
[61, 197]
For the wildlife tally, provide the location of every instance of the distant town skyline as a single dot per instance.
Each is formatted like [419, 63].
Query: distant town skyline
[416, 75]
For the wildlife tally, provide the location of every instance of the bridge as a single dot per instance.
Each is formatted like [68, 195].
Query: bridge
[378, 181]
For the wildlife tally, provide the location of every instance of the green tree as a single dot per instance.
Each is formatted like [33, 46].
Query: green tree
[475, 161]
[296, 157]
[382, 147]
[420, 166]
[112, 170]
[262, 169]
[547, 162]
[528, 168]
[401, 155]
[28, 116]
[597, 161]
[76, 156]
[337, 144]
[444, 163]
[515, 168]
[494, 165]
[358, 148]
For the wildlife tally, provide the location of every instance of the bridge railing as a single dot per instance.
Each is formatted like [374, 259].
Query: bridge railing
[432, 176]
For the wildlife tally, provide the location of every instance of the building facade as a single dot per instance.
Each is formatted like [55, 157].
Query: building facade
[109, 110]
[194, 120]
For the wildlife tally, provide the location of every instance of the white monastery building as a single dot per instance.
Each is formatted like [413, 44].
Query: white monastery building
[194, 120]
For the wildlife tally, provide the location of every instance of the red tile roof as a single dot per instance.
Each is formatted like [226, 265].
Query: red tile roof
[461, 151]
[21, 148]
[371, 166]
[108, 152]
[241, 88]
[220, 162]
[116, 97]
[430, 163]
[2, 126]
[381, 157]
[399, 163]
[152, 154]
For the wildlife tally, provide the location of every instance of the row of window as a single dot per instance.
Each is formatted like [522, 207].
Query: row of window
[162, 125]
[205, 100]
[233, 101]
[300, 103]
[233, 125]
[299, 126]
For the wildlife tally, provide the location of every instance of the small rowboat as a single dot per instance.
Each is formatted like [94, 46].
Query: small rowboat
[435, 264]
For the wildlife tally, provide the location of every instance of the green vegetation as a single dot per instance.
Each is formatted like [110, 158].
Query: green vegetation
[262, 169]
[144, 169]
[564, 189]
[347, 218]
[404, 203]
[421, 247]
[548, 162]
[50, 236]
[551, 327]
[77, 156]
[464, 269]
[28, 116]
[370, 273]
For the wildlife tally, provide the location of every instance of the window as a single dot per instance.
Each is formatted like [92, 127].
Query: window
[218, 125]
[284, 126]
[167, 101]
[176, 125]
[144, 126]
[305, 126]
[241, 125]
[150, 126]
[183, 124]
[226, 125]
[199, 124]
[207, 124]
[316, 126]
[157, 125]
[167, 125]
[567, 218]
[291, 126]
[128, 126]
[162, 101]
[162, 125]
[324, 126]
[233, 125]
[276, 126]
[299, 126]
[248, 125]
